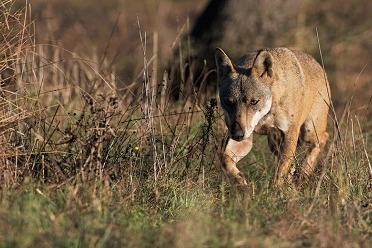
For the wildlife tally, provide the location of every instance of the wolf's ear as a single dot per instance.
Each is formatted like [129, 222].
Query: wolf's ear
[263, 64]
[224, 64]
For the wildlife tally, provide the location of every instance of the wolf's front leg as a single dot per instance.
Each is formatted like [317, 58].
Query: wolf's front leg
[286, 155]
[235, 151]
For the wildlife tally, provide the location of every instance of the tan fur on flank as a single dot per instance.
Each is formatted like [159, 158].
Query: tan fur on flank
[277, 92]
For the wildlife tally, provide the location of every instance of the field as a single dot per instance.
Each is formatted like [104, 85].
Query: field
[95, 152]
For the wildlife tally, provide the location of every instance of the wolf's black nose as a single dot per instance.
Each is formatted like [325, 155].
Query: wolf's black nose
[237, 132]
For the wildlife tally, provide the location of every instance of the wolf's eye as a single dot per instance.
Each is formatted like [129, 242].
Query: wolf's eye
[228, 102]
[254, 102]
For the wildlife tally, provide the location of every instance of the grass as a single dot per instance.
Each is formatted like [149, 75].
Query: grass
[84, 166]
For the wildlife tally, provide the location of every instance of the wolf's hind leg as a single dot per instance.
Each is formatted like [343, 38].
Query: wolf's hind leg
[316, 145]
[235, 151]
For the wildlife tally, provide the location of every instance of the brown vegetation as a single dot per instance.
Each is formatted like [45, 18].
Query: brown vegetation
[94, 152]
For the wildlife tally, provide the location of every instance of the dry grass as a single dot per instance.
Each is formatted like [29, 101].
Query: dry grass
[85, 165]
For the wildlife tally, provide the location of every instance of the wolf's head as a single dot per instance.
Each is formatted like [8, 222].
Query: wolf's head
[245, 92]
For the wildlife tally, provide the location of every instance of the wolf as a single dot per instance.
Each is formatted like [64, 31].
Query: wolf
[277, 92]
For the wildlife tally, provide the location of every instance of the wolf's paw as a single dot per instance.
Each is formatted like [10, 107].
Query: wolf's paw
[241, 179]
